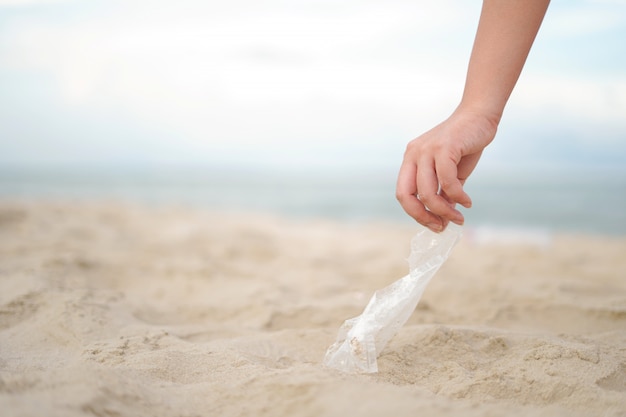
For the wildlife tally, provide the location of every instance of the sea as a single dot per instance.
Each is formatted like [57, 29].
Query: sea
[566, 201]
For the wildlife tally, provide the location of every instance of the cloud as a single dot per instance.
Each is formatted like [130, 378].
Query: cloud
[322, 80]
[181, 65]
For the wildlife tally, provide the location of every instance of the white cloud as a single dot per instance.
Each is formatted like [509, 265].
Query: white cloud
[169, 64]
[316, 77]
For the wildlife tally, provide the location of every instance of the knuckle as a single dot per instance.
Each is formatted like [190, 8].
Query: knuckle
[420, 217]
[446, 183]
[427, 198]
[452, 188]
[414, 147]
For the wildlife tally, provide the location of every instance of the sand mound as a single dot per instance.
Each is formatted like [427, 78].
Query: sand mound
[113, 310]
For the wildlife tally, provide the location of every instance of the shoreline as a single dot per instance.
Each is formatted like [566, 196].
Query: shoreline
[483, 232]
[577, 201]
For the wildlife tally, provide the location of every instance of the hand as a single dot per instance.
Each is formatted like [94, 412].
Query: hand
[436, 165]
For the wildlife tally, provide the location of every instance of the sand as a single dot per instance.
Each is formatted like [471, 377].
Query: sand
[113, 309]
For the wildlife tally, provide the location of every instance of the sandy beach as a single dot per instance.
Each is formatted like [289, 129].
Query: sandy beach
[113, 309]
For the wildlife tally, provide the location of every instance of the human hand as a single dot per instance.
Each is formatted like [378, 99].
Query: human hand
[436, 165]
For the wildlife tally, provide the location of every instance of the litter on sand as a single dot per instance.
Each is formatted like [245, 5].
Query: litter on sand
[362, 338]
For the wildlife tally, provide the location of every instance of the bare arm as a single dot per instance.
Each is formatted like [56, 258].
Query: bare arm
[506, 32]
[437, 163]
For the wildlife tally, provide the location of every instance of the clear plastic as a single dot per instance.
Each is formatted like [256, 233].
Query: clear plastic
[361, 339]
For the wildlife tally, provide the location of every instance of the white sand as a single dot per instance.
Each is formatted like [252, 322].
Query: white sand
[116, 310]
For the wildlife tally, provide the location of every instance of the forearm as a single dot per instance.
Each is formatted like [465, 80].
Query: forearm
[506, 31]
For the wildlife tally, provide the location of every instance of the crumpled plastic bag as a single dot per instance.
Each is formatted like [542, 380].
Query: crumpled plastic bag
[361, 339]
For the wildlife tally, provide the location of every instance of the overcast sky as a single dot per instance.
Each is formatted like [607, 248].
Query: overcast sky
[292, 83]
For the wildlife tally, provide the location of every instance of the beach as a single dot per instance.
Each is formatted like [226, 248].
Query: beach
[111, 308]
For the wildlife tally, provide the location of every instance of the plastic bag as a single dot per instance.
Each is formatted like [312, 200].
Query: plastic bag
[361, 339]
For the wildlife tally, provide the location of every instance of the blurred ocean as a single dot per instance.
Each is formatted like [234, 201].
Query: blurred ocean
[579, 202]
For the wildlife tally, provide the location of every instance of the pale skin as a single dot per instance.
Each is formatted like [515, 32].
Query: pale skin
[437, 163]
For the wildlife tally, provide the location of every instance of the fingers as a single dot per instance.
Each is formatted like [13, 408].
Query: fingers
[428, 207]
[406, 193]
[430, 195]
[450, 184]
[436, 165]
[433, 194]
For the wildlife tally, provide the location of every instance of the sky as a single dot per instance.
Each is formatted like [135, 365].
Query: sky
[293, 84]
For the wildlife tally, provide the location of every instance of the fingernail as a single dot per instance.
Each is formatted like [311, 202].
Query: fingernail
[460, 221]
[435, 227]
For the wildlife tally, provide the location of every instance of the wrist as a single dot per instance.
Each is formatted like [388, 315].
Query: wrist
[488, 115]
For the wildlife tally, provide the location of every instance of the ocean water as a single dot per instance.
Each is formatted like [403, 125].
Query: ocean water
[580, 202]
